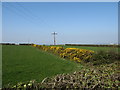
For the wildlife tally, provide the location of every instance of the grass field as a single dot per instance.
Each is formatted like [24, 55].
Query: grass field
[24, 63]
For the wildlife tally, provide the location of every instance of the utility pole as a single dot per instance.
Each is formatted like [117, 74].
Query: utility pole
[54, 33]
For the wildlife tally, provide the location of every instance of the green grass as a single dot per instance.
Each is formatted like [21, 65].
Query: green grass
[24, 63]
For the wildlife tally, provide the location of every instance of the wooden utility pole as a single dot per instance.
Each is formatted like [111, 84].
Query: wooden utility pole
[54, 33]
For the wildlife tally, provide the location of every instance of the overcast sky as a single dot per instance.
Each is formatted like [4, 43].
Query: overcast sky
[83, 22]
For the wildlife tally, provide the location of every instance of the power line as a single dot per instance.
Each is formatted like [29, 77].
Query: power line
[37, 17]
[17, 13]
[24, 11]
[27, 10]
[33, 15]
[26, 14]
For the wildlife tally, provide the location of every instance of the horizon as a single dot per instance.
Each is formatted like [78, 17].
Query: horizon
[60, 44]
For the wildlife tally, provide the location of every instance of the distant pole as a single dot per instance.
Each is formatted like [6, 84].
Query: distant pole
[54, 33]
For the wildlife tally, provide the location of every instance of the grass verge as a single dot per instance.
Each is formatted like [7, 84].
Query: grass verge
[24, 63]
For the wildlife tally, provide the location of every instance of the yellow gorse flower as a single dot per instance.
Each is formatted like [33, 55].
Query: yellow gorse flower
[75, 54]
[34, 45]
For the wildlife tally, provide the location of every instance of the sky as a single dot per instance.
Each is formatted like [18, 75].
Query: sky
[74, 22]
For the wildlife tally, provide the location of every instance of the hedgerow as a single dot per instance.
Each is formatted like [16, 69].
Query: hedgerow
[74, 54]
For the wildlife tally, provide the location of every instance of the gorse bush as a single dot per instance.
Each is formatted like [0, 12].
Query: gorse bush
[74, 54]
[82, 55]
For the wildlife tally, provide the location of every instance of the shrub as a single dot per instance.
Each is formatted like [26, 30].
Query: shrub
[75, 54]
[102, 57]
